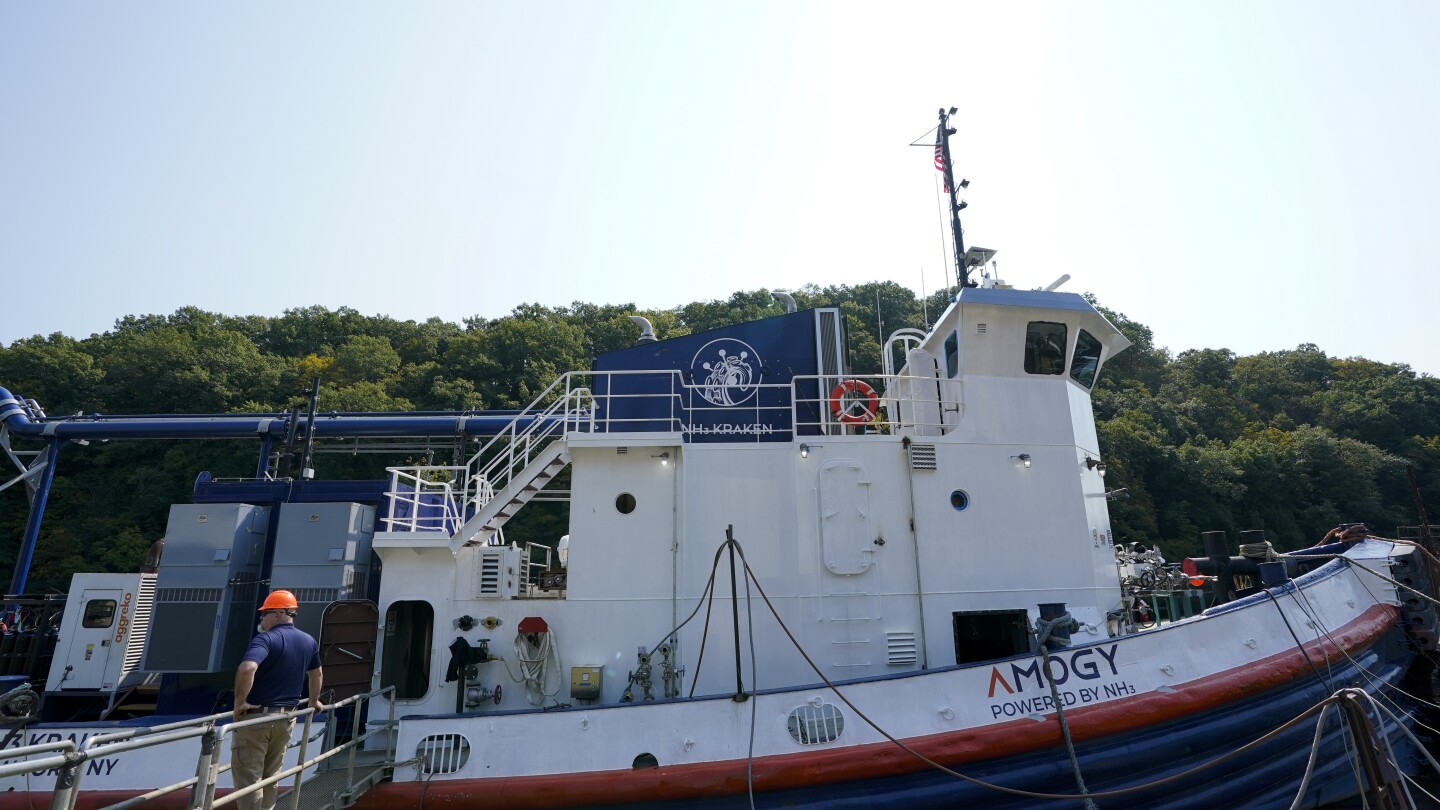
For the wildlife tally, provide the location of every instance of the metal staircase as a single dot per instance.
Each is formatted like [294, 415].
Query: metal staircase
[492, 513]
[444, 506]
[515, 465]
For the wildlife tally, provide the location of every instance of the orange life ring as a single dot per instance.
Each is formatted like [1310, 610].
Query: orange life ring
[846, 413]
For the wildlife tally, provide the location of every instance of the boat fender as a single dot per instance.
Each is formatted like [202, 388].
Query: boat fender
[855, 411]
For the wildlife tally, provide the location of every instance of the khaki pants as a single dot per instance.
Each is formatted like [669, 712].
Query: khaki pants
[255, 753]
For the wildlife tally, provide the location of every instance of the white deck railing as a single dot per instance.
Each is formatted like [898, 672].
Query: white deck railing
[661, 402]
[69, 763]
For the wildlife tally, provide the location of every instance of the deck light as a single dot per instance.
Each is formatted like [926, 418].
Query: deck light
[1024, 459]
[1095, 464]
[804, 451]
[664, 458]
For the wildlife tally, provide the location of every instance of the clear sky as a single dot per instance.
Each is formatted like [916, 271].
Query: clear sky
[1243, 175]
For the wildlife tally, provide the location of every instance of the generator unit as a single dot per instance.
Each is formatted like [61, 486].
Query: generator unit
[322, 555]
[102, 634]
[206, 587]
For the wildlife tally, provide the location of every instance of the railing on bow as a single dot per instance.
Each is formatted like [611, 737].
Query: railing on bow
[69, 763]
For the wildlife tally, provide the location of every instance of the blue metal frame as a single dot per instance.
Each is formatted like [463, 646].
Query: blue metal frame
[37, 514]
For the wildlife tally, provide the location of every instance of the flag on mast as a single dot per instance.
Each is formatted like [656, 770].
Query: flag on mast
[940, 158]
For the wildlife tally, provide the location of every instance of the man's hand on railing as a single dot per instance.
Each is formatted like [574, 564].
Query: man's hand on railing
[317, 705]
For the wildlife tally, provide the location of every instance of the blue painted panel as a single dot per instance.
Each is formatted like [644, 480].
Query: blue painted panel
[709, 390]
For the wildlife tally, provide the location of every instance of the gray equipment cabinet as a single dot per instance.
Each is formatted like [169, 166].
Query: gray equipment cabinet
[206, 587]
[322, 555]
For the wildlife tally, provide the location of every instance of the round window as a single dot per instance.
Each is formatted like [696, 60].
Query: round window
[625, 503]
[959, 500]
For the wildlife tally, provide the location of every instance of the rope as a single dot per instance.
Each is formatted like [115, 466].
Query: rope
[1265, 552]
[1043, 629]
[1310, 764]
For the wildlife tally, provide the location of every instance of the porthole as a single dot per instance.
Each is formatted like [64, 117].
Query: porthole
[625, 503]
[813, 724]
[959, 500]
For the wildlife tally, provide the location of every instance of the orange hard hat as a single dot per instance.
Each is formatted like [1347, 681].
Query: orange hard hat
[280, 600]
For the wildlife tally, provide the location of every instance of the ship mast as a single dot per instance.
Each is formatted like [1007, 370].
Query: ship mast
[947, 167]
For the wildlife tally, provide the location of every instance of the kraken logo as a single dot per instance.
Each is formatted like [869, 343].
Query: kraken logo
[727, 371]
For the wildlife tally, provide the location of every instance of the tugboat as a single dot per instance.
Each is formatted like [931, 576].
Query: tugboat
[784, 583]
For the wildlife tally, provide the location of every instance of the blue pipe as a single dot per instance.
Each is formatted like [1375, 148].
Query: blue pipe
[267, 428]
[37, 514]
[336, 425]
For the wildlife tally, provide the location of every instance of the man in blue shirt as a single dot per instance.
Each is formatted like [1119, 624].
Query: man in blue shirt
[281, 659]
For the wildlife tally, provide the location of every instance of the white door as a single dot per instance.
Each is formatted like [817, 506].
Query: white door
[847, 543]
[93, 640]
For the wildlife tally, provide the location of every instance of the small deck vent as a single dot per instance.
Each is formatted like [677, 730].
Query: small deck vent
[491, 567]
[922, 457]
[443, 753]
[979, 328]
[900, 648]
[622, 451]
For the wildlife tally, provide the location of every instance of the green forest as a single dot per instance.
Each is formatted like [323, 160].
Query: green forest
[1291, 441]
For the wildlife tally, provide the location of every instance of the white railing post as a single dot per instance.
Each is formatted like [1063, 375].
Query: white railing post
[207, 770]
[354, 734]
[300, 774]
[67, 782]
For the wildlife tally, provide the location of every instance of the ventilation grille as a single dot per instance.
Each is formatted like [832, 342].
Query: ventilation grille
[622, 451]
[900, 648]
[443, 753]
[829, 343]
[979, 328]
[140, 625]
[922, 457]
[492, 565]
[206, 595]
[813, 724]
[244, 589]
[316, 594]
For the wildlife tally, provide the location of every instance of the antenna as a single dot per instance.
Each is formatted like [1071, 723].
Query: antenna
[879, 324]
[924, 305]
[947, 167]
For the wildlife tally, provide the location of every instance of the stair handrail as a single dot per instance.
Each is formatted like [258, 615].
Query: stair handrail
[569, 409]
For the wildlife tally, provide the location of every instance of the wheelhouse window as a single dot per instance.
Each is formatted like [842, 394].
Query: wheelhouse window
[1045, 348]
[1086, 360]
[405, 662]
[952, 355]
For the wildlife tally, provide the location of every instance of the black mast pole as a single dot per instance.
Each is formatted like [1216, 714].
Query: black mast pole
[962, 274]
